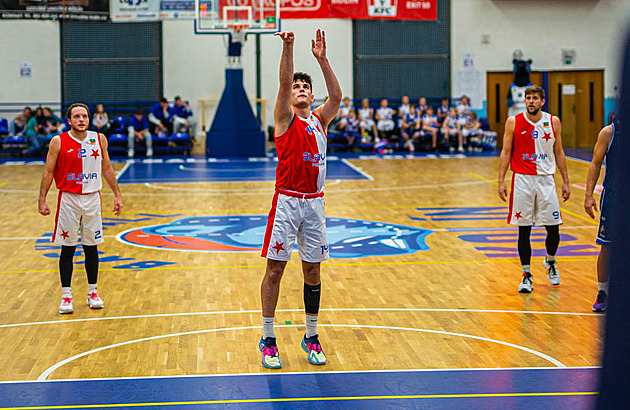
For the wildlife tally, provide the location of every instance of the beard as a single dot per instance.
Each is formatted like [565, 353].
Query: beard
[533, 111]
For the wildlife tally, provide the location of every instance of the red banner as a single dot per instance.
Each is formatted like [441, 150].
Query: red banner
[359, 9]
[383, 9]
[303, 9]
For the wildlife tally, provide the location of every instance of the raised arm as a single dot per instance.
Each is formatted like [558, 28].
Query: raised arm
[283, 114]
[506, 155]
[110, 176]
[561, 160]
[601, 147]
[47, 178]
[328, 110]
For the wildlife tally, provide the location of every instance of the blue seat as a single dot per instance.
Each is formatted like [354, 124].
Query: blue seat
[119, 125]
[4, 126]
[160, 138]
[118, 139]
[13, 139]
[180, 137]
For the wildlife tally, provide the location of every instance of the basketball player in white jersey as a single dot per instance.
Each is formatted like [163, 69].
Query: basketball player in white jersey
[532, 145]
[298, 204]
[78, 161]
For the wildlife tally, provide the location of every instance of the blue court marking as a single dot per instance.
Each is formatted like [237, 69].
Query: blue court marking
[233, 170]
[449, 389]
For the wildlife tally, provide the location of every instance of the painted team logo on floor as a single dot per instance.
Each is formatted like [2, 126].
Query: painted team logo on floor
[348, 238]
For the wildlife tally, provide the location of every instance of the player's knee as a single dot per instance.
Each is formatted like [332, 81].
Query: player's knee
[275, 271]
[311, 273]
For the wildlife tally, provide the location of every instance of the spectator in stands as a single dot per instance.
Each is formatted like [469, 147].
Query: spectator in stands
[351, 127]
[55, 125]
[385, 120]
[366, 113]
[161, 117]
[463, 108]
[422, 106]
[36, 133]
[410, 128]
[403, 109]
[138, 130]
[430, 126]
[343, 113]
[100, 120]
[18, 124]
[472, 132]
[442, 111]
[451, 128]
[181, 118]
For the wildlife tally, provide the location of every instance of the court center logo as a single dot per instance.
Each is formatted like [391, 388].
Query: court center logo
[347, 238]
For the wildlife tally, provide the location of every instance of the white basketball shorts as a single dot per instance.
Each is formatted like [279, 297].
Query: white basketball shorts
[534, 198]
[78, 212]
[290, 217]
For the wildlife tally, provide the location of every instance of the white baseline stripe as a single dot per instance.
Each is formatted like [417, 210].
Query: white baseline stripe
[51, 369]
[229, 312]
[284, 373]
[359, 170]
[122, 171]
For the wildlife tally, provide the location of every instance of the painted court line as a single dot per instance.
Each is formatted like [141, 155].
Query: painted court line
[311, 399]
[230, 312]
[44, 375]
[357, 169]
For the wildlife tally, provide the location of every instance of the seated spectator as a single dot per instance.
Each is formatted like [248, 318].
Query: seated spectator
[472, 132]
[55, 125]
[36, 133]
[403, 109]
[411, 128]
[138, 130]
[422, 106]
[351, 127]
[430, 126]
[463, 108]
[442, 111]
[161, 118]
[18, 124]
[385, 120]
[100, 120]
[343, 113]
[452, 128]
[366, 113]
[181, 118]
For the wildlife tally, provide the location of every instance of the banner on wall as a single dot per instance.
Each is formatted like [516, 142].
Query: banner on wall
[383, 9]
[88, 10]
[129, 11]
[177, 9]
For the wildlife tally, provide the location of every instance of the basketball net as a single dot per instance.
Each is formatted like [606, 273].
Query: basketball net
[236, 40]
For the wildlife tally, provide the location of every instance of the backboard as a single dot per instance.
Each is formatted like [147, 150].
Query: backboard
[250, 16]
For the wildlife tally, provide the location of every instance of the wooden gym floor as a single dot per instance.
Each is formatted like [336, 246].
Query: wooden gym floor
[423, 281]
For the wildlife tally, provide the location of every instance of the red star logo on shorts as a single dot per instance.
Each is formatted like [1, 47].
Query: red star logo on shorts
[64, 234]
[94, 153]
[518, 215]
[547, 136]
[278, 246]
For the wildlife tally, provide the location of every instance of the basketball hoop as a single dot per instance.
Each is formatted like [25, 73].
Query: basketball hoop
[237, 30]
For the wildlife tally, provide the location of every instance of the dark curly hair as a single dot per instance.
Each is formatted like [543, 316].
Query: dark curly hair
[303, 77]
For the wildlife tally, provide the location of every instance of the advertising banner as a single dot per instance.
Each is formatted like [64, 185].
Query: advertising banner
[130, 11]
[88, 10]
[383, 9]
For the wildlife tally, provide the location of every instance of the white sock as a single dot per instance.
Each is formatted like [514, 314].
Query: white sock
[91, 288]
[311, 325]
[66, 292]
[551, 258]
[526, 269]
[268, 327]
[602, 286]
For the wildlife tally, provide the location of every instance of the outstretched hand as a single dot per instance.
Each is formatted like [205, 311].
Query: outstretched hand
[286, 36]
[318, 46]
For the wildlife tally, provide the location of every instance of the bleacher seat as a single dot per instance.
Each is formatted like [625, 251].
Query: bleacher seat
[119, 125]
[118, 139]
[4, 126]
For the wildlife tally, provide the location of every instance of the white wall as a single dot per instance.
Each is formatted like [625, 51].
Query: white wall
[541, 29]
[36, 42]
[194, 65]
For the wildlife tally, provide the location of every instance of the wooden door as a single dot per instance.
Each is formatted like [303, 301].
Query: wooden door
[498, 86]
[577, 98]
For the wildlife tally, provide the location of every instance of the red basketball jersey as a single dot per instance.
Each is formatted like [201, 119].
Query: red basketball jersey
[532, 149]
[302, 156]
[78, 168]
